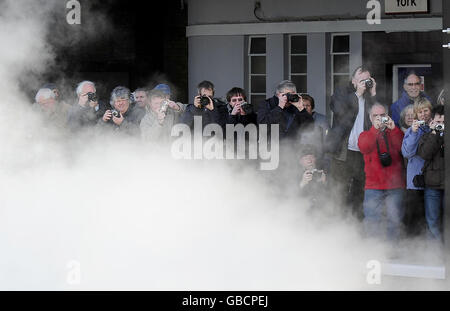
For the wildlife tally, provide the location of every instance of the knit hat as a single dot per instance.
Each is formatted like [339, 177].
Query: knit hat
[164, 88]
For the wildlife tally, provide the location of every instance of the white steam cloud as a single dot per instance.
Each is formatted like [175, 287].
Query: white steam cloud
[102, 213]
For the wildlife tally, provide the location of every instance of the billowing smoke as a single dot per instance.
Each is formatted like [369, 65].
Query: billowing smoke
[99, 213]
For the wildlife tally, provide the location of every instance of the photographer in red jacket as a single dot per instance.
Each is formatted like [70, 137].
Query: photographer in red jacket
[385, 180]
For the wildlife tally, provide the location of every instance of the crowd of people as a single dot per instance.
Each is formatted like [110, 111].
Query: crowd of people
[383, 164]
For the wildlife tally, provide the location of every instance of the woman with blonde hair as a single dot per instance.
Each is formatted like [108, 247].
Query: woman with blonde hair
[414, 209]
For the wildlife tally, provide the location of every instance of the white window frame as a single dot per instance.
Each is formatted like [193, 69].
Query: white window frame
[297, 54]
[250, 55]
[332, 54]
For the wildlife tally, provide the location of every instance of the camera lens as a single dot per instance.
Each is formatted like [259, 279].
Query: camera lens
[204, 101]
[369, 84]
[293, 98]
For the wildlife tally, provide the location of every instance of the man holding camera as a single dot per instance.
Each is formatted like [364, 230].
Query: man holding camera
[161, 114]
[385, 180]
[286, 109]
[88, 109]
[239, 110]
[211, 109]
[118, 118]
[431, 149]
[313, 181]
[411, 95]
[350, 106]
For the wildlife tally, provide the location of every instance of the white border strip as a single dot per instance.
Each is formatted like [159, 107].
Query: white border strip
[414, 271]
[388, 25]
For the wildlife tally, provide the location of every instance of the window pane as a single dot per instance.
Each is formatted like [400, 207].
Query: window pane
[258, 84]
[298, 64]
[257, 100]
[300, 83]
[340, 81]
[258, 64]
[341, 44]
[340, 64]
[298, 44]
[257, 45]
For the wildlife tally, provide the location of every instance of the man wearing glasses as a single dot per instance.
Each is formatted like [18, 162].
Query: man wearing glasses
[410, 95]
[88, 109]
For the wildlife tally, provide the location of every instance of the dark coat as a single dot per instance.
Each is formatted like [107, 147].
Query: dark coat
[431, 149]
[128, 126]
[345, 106]
[290, 119]
[218, 115]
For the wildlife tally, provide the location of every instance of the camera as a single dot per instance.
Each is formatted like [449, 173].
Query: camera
[115, 113]
[439, 128]
[247, 107]
[293, 98]
[92, 97]
[384, 120]
[316, 175]
[421, 122]
[368, 83]
[385, 159]
[164, 106]
[204, 101]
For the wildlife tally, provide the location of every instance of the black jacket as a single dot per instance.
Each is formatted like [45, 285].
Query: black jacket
[128, 126]
[431, 149]
[218, 115]
[345, 107]
[290, 119]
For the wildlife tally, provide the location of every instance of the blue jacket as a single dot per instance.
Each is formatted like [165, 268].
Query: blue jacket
[409, 151]
[401, 103]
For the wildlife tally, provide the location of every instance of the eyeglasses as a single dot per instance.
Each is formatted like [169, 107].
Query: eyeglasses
[234, 100]
[413, 84]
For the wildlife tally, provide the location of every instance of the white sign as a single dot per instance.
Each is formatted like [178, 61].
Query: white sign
[405, 6]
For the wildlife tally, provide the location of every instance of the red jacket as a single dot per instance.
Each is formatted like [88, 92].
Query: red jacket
[377, 176]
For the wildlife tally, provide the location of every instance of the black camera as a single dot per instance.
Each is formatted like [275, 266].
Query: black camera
[368, 83]
[115, 113]
[316, 175]
[385, 159]
[247, 107]
[292, 98]
[92, 97]
[204, 101]
[439, 128]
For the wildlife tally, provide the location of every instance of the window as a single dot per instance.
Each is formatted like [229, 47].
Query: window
[298, 62]
[257, 69]
[340, 59]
